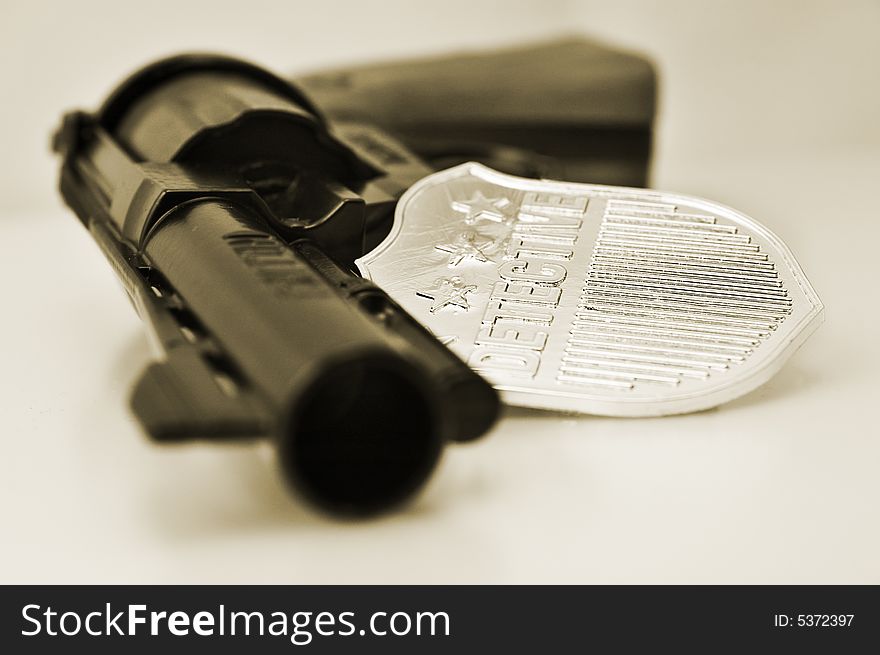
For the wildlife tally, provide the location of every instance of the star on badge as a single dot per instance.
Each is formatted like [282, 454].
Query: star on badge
[448, 292]
[481, 208]
[464, 246]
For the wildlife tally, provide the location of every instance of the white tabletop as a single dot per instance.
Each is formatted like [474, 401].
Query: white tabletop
[781, 485]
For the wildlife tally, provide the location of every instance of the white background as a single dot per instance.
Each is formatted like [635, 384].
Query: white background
[772, 108]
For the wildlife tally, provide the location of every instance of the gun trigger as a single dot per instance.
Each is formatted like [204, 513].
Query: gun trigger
[182, 398]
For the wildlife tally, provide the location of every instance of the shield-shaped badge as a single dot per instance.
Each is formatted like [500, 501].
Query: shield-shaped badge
[595, 299]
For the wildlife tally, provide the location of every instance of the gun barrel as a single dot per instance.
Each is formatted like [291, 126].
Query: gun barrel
[356, 423]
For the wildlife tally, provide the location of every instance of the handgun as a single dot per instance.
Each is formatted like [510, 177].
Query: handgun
[232, 211]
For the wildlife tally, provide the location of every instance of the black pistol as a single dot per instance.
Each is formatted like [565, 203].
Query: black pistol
[232, 212]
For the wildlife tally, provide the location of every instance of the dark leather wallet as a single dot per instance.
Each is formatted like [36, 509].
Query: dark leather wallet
[570, 109]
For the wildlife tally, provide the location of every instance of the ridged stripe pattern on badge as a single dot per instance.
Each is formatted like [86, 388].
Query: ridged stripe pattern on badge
[669, 295]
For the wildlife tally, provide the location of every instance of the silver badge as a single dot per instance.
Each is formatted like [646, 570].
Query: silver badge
[595, 299]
